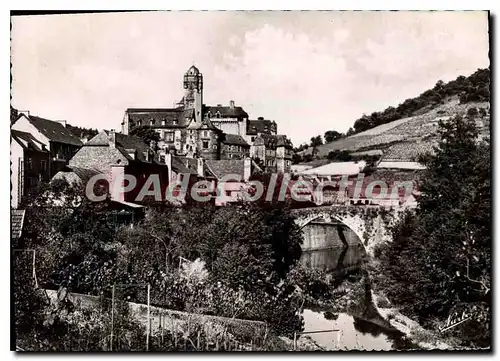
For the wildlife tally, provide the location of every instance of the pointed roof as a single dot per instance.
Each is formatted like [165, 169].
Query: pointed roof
[235, 139]
[193, 70]
[54, 131]
[27, 141]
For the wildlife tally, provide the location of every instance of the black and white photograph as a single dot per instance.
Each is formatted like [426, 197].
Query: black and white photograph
[250, 181]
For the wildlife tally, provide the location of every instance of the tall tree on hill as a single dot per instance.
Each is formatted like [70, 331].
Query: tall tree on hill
[440, 259]
[315, 141]
[332, 135]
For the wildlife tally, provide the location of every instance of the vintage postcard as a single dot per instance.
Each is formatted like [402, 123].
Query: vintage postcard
[250, 181]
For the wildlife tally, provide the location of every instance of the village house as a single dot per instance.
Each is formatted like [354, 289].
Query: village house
[57, 139]
[39, 149]
[273, 152]
[29, 165]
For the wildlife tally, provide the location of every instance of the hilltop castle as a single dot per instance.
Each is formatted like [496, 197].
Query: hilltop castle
[195, 130]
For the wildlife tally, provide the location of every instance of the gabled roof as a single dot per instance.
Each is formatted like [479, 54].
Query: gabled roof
[225, 111]
[204, 124]
[184, 165]
[272, 141]
[221, 168]
[27, 141]
[124, 143]
[264, 126]
[235, 139]
[75, 175]
[16, 222]
[54, 131]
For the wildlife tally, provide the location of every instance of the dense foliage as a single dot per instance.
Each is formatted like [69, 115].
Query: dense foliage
[440, 257]
[246, 251]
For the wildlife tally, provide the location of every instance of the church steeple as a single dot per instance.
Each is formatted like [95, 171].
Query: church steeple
[193, 87]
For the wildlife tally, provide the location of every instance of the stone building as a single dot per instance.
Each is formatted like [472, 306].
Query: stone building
[234, 147]
[272, 152]
[193, 129]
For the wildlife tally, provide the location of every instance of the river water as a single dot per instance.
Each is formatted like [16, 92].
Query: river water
[365, 330]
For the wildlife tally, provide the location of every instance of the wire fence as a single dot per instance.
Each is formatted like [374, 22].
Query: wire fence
[167, 329]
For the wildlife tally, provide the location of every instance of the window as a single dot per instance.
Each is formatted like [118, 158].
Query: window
[174, 122]
[253, 139]
[43, 165]
[205, 144]
[169, 136]
[218, 115]
[204, 134]
[163, 122]
[214, 146]
[29, 164]
[151, 122]
[162, 158]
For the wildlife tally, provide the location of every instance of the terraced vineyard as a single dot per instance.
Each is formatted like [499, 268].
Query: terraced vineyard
[417, 131]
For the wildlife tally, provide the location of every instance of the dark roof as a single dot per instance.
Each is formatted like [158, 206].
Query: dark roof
[16, 222]
[235, 139]
[221, 168]
[27, 141]
[173, 117]
[124, 143]
[76, 174]
[225, 111]
[204, 124]
[264, 126]
[54, 131]
[193, 70]
[273, 141]
[184, 165]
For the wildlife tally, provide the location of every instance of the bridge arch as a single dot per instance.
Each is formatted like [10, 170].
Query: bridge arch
[370, 230]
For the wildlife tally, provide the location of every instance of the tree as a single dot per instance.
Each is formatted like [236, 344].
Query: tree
[440, 257]
[315, 141]
[332, 135]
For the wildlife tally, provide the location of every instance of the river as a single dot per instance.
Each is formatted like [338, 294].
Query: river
[364, 330]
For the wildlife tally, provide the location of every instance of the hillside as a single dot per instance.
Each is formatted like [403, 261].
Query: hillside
[413, 122]
[413, 134]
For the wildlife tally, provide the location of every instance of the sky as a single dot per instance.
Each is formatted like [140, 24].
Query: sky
[309, 71]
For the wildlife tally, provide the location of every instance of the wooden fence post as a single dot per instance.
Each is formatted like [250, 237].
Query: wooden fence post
[148, 320]
[112, 316]
[294, 341]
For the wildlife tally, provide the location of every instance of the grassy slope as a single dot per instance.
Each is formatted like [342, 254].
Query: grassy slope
[414, 129]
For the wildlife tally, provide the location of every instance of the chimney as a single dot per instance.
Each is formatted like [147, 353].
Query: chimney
[201, 173]
[260, 118]
[112, 138]
[247, 168]
[63, 122]
[231, 104]
[168, 163]
[219, 105]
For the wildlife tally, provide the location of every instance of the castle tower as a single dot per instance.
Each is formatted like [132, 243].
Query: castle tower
[193, 96]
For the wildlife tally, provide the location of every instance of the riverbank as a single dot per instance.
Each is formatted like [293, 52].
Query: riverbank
[423, 338]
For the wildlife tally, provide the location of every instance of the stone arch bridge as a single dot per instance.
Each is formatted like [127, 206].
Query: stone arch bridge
[335, 226]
